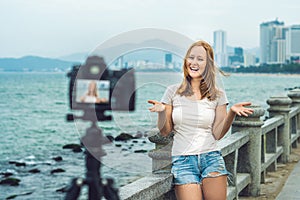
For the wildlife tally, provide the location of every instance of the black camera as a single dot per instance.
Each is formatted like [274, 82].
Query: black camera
[94, 87]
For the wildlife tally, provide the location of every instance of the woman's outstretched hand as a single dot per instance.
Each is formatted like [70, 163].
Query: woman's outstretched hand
[240, 109]
[157, 106]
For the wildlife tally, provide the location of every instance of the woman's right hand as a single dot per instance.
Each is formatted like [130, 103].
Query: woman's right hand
[157, 106]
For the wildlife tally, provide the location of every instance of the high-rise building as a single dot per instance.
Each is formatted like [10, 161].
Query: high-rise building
[272, 42]
[168, 60]
[293, 43]
[237, 58]
[238, 51]
[249, 59]
[220, 47]
[280, 51]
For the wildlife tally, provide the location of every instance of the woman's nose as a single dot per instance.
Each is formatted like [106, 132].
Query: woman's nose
[194, 61]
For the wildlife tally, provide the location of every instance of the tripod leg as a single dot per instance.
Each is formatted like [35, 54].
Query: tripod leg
[74, 191]
[93, 141]
[110, 192]
[93, 177]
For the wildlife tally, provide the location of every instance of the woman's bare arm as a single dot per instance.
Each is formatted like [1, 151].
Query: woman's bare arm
[164, 122]
[223, 120]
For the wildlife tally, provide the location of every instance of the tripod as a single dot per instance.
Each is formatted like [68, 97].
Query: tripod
[93, 141]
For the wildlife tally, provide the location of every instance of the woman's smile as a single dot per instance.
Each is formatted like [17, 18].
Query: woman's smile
[194, 69]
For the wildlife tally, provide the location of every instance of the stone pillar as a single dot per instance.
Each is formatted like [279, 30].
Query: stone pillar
[295, 96]
[161, 155]
[280, 105]
[249, 156]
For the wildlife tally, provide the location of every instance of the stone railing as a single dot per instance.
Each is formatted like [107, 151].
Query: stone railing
[253, 148]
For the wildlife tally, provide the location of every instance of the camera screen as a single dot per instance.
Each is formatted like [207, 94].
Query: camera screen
[92, 91]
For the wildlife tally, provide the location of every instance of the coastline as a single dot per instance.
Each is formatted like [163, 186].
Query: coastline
[230, 73]
[264, 74]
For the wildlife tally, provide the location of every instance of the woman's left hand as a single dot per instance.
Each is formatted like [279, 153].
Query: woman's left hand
[240, 109]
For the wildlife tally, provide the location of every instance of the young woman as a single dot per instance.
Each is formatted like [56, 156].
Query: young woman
[92, 95]
[196, 112]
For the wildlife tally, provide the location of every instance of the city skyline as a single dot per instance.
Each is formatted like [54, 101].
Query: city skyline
[58, 28]
[279, 43]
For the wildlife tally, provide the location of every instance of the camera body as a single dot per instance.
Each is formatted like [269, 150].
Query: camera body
[94, 87]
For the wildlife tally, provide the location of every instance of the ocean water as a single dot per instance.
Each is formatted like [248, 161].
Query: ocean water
[33, 128]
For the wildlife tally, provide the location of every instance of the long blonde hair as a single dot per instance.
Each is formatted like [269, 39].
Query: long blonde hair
[208, 78]
[93, 91]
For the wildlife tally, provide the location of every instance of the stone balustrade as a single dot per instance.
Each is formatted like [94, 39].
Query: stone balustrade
[253, 148]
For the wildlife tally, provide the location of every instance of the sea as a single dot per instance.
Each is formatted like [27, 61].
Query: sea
[34, 129]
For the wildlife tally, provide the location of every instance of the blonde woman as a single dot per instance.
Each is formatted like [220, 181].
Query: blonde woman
[92, 95]
[196, 111]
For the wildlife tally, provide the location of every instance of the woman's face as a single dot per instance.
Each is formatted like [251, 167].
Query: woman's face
[92, 86]
[196, 61]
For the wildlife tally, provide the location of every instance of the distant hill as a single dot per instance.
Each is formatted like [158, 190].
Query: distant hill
[150, 55]
[77, 57]
[34, 63]
[64, 63]
[152, 50]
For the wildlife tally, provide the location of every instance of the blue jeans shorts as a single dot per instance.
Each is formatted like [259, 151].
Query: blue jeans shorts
[194, 168]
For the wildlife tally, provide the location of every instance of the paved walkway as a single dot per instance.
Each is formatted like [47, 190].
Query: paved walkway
[291, 189]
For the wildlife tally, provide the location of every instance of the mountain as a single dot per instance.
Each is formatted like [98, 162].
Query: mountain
[78, 57]
[64, 63]
[152, 50]
[34, 63]
[151, 55]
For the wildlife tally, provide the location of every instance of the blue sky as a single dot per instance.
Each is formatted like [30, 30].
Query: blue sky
[54, 28]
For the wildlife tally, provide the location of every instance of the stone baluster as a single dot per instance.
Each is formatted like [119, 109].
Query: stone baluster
[280, 105]
[161, 155]
[249, 156]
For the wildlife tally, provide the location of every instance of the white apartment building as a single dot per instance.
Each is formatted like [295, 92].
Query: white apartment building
[272, 42]
[249, 59]
[220, 48]
[293, 43]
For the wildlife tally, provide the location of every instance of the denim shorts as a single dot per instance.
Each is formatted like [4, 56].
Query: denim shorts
[194, 168]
